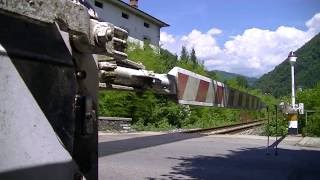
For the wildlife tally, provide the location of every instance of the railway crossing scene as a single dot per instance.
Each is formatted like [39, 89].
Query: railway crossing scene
[132, 89]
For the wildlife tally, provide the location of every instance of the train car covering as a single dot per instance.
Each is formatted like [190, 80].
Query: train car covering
[235, 99]
[231, 97]
[220, 94]
[195, 89]
[244, 100]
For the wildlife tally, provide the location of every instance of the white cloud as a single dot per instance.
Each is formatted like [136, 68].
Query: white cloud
[214, 31]
[168, 41]
[314, 23]
[257, 51]
[167, 38]
[204, 44]
[252, 53]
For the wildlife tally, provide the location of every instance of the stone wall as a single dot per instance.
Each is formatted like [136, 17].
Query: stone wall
[114, 124]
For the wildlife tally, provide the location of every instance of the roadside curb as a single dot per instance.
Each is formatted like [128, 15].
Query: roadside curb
[310, 142]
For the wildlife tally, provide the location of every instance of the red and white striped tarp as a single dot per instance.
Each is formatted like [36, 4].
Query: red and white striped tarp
[195, 89]
[220, 99]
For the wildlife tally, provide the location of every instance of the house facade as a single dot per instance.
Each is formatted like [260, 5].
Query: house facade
[140, 25]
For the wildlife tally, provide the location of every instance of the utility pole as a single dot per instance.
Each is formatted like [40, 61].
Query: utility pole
[293, 114]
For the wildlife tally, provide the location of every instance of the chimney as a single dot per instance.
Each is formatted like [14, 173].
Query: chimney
[134, 3]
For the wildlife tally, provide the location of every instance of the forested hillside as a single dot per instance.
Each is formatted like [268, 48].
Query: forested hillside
[307, 71]
[225, 76]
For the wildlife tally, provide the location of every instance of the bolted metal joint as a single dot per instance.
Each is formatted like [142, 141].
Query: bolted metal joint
[103, 34]
[108, 39]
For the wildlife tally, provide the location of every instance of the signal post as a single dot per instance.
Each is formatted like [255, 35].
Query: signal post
[294, 109]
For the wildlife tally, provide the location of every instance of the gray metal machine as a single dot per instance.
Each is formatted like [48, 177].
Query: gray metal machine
[49, 81]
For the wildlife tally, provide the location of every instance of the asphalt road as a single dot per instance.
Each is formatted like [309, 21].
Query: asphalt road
[189, 156]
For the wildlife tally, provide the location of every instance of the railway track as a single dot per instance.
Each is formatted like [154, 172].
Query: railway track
[229, 129]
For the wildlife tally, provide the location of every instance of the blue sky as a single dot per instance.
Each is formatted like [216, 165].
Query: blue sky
[232, 16]
[260, 29]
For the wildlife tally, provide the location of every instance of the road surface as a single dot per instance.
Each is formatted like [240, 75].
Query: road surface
[191, 156]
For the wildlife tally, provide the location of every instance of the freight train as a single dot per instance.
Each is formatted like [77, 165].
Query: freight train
[195, 89]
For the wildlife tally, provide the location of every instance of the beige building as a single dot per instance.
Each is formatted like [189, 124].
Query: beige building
[140, 25]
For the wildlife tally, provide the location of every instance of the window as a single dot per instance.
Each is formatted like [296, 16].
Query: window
[124, 15]
[146, 25]
[98, 4]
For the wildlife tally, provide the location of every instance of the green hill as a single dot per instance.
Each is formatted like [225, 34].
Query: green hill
[307, 71]
[224, 76]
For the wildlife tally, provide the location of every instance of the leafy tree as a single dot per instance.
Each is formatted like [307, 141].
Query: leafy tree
[310, 97]
[184, 54]
[242, 81]
[193, 57]
[311, 100]
[212, 75]
[232, 83]
[169, 59]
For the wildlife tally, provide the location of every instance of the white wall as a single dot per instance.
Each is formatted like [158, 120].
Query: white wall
[134, 24]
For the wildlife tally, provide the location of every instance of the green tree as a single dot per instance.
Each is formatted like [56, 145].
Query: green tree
[242, 81]
[169, 59]
[193, 57]
[311, 99]
[184, 54]
[212, 75]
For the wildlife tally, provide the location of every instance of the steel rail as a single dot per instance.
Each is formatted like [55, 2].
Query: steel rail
[232, 128]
